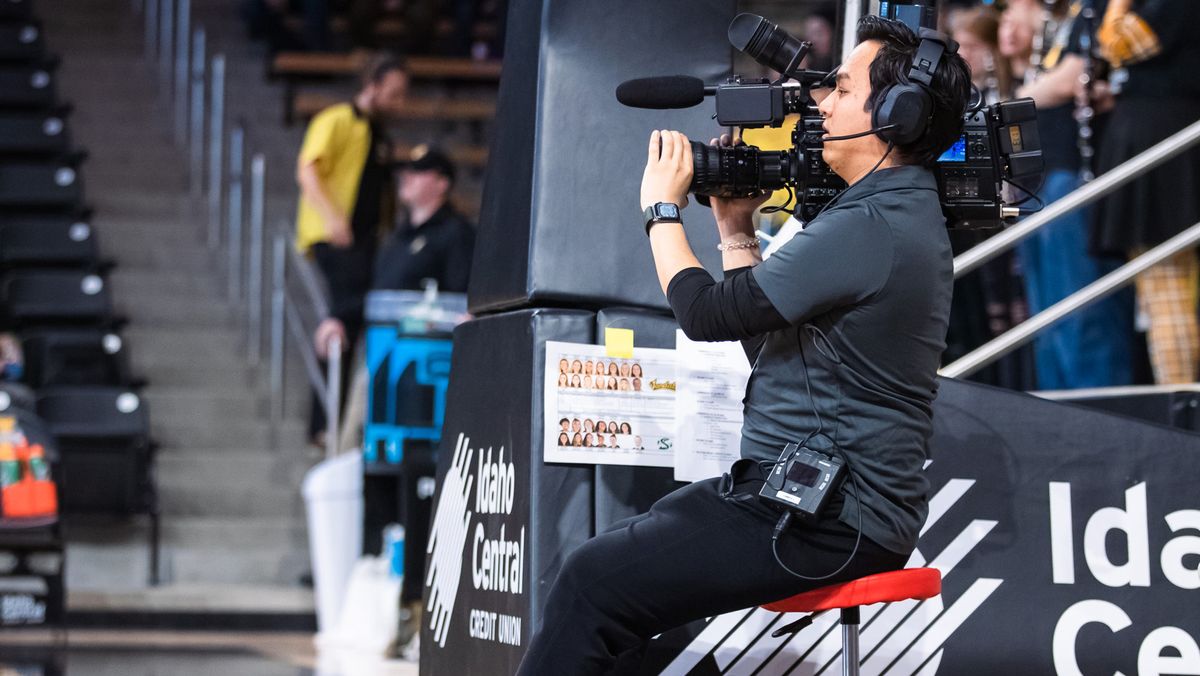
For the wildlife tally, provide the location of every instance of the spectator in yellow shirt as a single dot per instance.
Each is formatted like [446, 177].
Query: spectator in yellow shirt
[344, 177]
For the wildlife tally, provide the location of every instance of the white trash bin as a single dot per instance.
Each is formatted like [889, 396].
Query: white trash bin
[333, 499]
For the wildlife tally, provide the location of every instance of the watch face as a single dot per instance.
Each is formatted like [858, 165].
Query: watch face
[666, 210]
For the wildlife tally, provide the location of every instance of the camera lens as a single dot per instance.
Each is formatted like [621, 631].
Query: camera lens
[766, 43]
[740, 171]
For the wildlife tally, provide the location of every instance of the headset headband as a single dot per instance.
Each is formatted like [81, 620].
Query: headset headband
[929, 55]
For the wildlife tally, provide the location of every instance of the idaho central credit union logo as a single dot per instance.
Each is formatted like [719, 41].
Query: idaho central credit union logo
[447, 538]
[497, 557]
[901, 638]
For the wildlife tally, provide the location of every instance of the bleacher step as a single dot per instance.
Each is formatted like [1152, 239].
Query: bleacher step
[236, 598]
[229, 434]
[153, 254]
[169, 345]
[182, 496]
[238, 467]
[122, 566]
[215, 405]
[195, 290]
[232, 511]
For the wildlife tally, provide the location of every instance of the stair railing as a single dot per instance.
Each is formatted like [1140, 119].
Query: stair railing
[1086, 194]
[274, 291]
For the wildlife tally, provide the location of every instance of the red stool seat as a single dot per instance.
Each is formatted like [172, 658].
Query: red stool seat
[896, 585]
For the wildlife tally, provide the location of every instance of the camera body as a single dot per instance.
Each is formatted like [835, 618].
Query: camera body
[744, 170]
[999, 143]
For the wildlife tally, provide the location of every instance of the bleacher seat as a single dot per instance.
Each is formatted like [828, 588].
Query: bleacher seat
[16, 9]
[27, 86]
[106, 455]
[21, 41]
[103, 440]
[47, 241]
[16, 397]
[74, 357]
[32, 132]
[40, 185]
[37, 297]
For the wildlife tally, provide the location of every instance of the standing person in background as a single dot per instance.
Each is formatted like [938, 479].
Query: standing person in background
[819, 30]
[1153, 42]
[432, 242]
[976, 30]
[1092, 347]
[343, 172]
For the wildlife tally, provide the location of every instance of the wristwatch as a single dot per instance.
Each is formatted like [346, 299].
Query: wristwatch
[661, 212]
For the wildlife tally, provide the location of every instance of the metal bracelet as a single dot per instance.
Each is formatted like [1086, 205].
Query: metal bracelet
[752, 243]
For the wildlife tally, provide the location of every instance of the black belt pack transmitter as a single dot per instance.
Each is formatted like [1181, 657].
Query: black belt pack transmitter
[803, 481]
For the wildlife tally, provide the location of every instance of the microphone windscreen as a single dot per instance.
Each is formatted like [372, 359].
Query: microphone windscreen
[661, 93]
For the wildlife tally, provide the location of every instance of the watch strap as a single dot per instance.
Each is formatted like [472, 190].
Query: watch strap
[653, 217]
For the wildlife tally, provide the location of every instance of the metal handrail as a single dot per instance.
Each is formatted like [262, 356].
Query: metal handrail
[312, 286]
[1101, 186]
[1115, 391]
[1024, 332]
[286, 318]
[194, 89]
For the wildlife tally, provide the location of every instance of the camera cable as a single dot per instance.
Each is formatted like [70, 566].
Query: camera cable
[786, 518]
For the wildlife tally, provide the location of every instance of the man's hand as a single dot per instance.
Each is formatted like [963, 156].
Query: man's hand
[735, 215]
[326, 331]
[339, 232]
[668, 172]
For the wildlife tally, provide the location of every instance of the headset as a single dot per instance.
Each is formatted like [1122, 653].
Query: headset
[905, 110]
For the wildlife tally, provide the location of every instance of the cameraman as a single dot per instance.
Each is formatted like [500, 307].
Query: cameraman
[844, 325]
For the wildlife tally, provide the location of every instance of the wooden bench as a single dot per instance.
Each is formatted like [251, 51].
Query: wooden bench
[415, 109]
[295, 67]
[392, 27]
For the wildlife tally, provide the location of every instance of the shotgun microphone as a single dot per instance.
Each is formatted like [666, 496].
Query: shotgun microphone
[663, 93]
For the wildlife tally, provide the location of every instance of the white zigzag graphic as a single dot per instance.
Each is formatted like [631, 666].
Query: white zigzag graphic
[901, 639]
[447, 540]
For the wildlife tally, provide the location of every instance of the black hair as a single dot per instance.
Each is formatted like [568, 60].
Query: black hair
[950, 90]
[378, 68]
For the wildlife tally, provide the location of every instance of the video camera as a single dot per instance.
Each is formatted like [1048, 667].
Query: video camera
[999, 143]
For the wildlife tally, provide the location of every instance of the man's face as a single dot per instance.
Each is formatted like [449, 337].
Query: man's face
[422, 187]
[386, 97]
[975, 52]
[845, 112]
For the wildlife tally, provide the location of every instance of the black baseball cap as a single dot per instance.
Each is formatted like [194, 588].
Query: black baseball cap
[426, 158]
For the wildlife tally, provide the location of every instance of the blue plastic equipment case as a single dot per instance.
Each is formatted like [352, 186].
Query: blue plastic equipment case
[408, 348]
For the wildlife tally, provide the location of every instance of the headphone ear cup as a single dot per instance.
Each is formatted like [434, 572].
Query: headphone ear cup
[907, 107]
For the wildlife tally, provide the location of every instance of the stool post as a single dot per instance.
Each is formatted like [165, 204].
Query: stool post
[850, 619]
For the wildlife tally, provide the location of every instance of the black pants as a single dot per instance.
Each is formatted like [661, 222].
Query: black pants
[347, 274]
[701, 551]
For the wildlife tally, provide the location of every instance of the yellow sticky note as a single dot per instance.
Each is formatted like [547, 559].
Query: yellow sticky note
[618, 343]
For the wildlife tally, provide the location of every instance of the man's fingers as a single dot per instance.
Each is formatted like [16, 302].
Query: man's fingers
[668, 145]
[681, 148]
[655, 145]
[726, 140]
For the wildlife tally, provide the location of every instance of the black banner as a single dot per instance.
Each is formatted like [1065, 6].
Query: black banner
[1068, 542]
